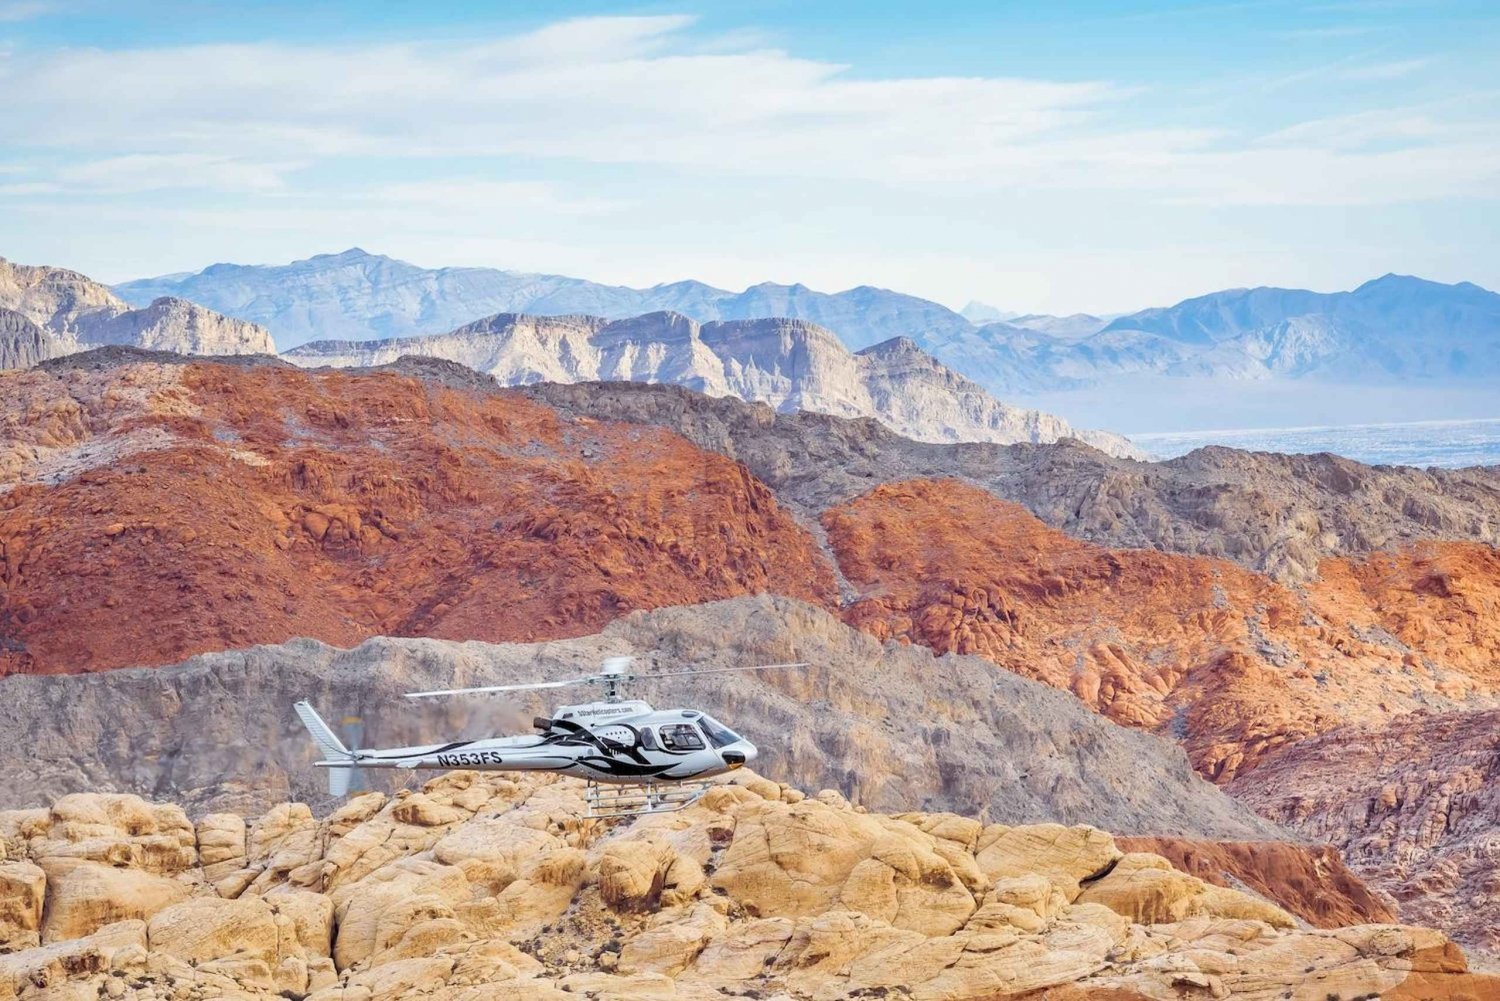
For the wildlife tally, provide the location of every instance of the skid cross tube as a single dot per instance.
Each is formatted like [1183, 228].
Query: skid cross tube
[611, 801]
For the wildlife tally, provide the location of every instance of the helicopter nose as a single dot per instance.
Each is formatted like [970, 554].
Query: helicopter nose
[739, 754]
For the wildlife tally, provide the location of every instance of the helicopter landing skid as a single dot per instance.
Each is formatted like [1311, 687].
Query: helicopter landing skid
[609, 801]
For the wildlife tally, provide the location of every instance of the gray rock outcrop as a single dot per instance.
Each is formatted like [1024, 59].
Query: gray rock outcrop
[78, 313]
[217, 732]
[1278, 514]
[22, 343]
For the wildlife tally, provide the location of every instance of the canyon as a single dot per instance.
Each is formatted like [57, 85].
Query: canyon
[1257, 611]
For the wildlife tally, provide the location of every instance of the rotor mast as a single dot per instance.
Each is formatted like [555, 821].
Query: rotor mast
[612, 674]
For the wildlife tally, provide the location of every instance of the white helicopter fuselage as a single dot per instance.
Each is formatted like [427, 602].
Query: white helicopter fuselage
[620, 742]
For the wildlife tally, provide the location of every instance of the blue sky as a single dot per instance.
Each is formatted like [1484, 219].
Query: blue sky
[1040, 157]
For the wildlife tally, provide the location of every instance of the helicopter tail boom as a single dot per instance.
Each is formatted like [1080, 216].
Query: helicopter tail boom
[340, 759]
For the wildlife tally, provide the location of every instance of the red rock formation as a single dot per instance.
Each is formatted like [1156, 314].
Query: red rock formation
[1311, 881]
[164, 511]
[1229, 661]
[1439, 599]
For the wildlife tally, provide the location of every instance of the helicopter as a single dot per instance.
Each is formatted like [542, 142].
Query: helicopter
[637, 759]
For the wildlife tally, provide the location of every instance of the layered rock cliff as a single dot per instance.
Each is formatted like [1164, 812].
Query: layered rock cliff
[22, 343]
[490, 887]
[78, 313]
[789, 364]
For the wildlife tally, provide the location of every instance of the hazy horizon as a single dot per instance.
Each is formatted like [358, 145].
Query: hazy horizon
[954, 306]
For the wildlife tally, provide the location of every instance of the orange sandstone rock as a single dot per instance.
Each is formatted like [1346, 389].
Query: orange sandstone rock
[183, 509]
[1230, 662]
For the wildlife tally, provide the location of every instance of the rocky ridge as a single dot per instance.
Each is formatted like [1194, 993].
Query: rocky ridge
[1281, 515]
[789, 364]
[78, 313]
[266, 503]
[486, 887]
[1228, 662]
[153, 508]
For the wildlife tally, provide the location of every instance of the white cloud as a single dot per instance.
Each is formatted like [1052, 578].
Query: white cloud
[1394, 70]
[645, 91]
[467, 195]
[135, 172]
[639, 150]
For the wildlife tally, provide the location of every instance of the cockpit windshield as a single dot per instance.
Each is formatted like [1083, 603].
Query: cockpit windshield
[718, 734]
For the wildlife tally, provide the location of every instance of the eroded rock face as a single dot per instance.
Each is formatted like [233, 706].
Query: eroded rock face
[1281, 515]
[787, 363]
[490, 887]
[22, 343]
[1411, 803]
[1310, 881]
[1230, 662]
[77, 313]
[217, 731]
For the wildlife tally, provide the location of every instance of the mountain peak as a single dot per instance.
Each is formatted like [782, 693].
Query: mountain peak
[1392, 280]
[352, 254]
[893, 346]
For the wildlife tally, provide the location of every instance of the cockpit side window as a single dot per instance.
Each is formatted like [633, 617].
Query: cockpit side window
[718, 734]
[681, 737]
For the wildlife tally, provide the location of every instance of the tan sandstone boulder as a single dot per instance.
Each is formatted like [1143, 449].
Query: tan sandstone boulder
[1066, 856]
[23, 889]
[806, 858]
[84, 896]
[752, 891]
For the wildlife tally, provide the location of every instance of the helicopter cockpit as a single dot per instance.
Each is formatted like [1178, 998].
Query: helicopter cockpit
[718, 734]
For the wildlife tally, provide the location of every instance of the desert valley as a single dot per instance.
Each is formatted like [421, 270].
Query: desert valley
[1272, 679]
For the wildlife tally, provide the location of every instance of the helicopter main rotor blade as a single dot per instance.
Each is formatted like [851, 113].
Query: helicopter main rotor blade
[499, 688]
[721, 670]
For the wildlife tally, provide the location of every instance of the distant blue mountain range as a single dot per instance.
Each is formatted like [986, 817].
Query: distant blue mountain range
[1394, 329]
[361, 296]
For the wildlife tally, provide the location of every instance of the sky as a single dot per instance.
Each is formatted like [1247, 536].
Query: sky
[1040, 157]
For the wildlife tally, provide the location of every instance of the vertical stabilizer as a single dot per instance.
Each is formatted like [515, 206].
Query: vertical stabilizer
[333, 749]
